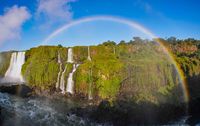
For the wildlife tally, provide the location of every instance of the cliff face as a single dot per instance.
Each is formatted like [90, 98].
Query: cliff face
[149, 75]
[41, 67]
[102, 75]
[189, 60]
[4, 62]
[130, 71]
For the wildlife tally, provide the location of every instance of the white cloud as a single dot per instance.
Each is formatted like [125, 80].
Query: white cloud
[11, 22]
[55, 11]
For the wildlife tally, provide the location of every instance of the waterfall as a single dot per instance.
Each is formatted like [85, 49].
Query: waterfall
[90, 74]
[70, 56]
[70, 82]
[13, 74]
[90, 95]
[114, 50]
[90, 86]
[58, 78]
[62, 80]
[89, 58]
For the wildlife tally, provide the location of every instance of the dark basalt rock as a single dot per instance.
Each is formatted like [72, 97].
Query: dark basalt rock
[123, 113]
[194, 112]
[19, 90]
[0, 117]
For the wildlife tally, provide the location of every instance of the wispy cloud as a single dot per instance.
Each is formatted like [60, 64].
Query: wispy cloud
[54, 11]
[147, 7]
[150, 10]
[144, 5]
[11, 22]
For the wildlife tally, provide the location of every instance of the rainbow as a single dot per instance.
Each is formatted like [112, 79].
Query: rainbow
[133, 25]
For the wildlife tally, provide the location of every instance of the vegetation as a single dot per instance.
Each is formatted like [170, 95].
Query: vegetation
[102, 72]
[187, 54]
[41, 66]
[4, 62]
[138, 70]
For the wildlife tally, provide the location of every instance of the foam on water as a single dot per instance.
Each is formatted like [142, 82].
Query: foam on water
[39, 111]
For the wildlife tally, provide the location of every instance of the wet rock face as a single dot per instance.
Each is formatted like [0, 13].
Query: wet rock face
[0, 117]
[19, 90]
[125, 113]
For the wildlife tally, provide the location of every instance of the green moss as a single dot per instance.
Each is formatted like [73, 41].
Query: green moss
[69, 68]
[101, 75]
[140, 72]
[148, 73]
[136, 71]
[80, 53]
[4, 62]
[41, 68]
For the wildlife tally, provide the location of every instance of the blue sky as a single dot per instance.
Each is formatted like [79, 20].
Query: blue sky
[26, 23]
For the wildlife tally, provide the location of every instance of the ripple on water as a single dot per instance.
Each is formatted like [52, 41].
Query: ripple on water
[39, 111]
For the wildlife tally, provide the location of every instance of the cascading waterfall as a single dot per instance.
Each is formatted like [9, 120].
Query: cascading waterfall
[90, 86]
[89, 58]
[58, 78]
[70, 56]
[90, 74]
[13, 74]
[62, 81]
[70, 81]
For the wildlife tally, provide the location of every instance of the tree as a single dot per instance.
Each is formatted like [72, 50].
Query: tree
[172, 39]
[109, 43]
[59, 45]
[137, 39]
[122, 42]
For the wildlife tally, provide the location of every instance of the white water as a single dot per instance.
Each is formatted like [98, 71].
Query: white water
[58, 78]
[70, 56]
[17, 111]
[62, 81]
[13, 74]
[90, 95]
[70, 81]
[89, 58]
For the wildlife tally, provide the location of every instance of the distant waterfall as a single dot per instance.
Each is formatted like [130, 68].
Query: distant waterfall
[90, 78]
[70, 82]
[62, 80]
[70, 56]
[90, 86]
[13, 74]
[89, 58]
[58, 78]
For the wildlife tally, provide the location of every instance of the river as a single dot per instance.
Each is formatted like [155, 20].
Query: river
[42, 111]
[38, 111]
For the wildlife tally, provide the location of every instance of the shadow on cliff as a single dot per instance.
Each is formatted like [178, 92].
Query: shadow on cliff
[124, 113]
[19, 90]
[194, 90]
